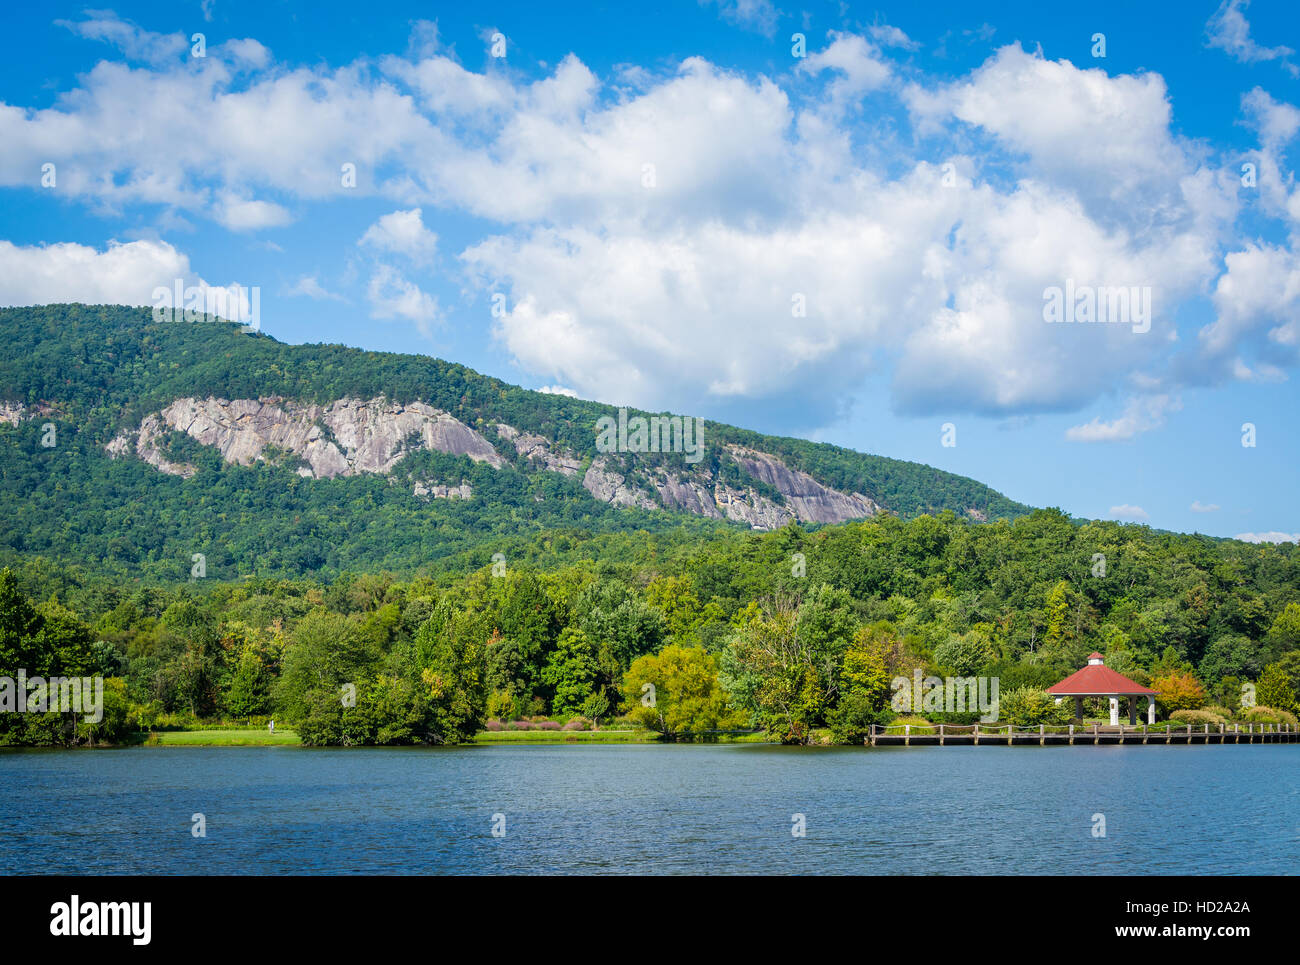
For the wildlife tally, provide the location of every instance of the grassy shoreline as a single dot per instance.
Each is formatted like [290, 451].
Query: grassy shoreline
[286, 737]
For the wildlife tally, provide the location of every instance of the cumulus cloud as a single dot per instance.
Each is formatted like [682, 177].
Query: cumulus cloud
[121, 274]
[1130, 513]
[309, 286]
[1270, 537]
[392, 295]
[1199, 507]
[558, 390]
[1142, 414]
[242, 214]
[690, 233]
[404, 233]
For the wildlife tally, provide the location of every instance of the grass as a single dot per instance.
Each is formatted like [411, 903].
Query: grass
[283, 736]
[247, 737]
[564, 737]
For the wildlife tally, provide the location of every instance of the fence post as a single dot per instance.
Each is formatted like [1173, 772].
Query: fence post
[907, 735]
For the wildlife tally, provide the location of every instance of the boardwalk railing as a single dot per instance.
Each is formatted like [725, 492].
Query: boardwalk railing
[1172, 732]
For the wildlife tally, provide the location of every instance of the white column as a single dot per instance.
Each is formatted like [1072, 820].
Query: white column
[1114, 711]
[1151, 710]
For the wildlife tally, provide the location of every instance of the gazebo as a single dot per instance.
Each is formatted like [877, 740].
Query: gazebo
[1098, 680]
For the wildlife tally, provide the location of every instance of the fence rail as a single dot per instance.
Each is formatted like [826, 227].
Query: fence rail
[1171, 733]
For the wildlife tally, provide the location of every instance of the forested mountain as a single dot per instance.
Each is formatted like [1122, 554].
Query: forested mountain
[225, 527]
[134, 445]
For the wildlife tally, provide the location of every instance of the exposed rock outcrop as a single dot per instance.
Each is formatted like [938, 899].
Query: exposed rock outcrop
[610, 487]
[809, 500]
[352, 436]
[347, 437]
[538, 448]
[429, 490]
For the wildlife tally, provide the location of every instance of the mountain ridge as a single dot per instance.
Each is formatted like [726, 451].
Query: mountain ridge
[187, 399]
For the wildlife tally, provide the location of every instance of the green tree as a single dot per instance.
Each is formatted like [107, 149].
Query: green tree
[571, 671]
[676, 692]
[1273, 689]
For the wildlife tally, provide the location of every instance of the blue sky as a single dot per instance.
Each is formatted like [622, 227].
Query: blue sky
[676, 211]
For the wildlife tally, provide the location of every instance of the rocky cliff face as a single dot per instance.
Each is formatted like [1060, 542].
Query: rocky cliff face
[347, 437]
[806, 498]
[352, 436]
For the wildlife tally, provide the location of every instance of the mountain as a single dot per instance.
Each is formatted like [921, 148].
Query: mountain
[131, 445]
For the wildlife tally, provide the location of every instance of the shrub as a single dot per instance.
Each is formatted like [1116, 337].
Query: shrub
[1223, 712]
[520, 725]
[1029, 705]
[576, 724]
[1197, 717]
[494, 725]
[1260, 714]
[1178, 691]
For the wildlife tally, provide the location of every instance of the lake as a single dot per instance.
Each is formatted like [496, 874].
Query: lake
[653, 809]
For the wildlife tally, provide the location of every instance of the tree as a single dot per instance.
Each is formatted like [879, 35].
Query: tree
[1273, 689]
[1231, 656]
[1025, 706]
[250, 687]
[1178, 690]
[449, 653]
[676, 692]
[594, 708]
[964, 653]
[782, 664]
[571, 671]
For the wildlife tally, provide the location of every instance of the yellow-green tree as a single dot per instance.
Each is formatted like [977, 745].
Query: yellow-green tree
[676, 692]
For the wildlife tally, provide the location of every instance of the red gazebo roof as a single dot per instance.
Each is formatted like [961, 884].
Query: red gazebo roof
[1096, 680]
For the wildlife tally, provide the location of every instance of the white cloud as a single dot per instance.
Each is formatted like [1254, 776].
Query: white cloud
[404, 233]
[653, 230]
[757, 15]
[887, 36]
[1127, 512]
[1257, 302]
[137, 44]
[1141, 414]
[558, 390]
[856, 62]
[1199, 507]
[241, 214]
[121, 274]
[391, 295]
[1229, 30]
[1270, 537]
[310, 287]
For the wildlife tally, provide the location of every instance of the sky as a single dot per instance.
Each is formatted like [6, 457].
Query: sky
[1056, 250]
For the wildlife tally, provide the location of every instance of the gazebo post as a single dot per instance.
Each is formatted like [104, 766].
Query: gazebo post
[1151, 709]
[1133, 709]
[1078, 708]
[1114, 711]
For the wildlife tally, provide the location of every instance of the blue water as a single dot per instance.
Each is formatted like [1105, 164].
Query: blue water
[651, 809]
